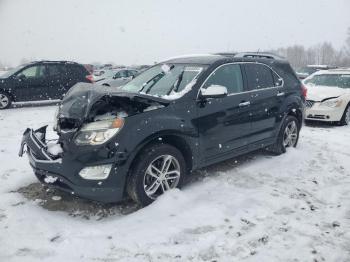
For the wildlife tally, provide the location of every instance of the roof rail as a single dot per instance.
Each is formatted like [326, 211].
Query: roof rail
[266, 55]
[226, 54]
[52, 61]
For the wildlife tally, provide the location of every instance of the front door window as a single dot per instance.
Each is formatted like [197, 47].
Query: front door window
[33, 72]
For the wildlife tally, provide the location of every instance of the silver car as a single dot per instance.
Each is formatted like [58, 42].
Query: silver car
[119, 77]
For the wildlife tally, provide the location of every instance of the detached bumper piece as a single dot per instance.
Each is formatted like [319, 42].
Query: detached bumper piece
[44, 164]
[63, 172]
[36, 145]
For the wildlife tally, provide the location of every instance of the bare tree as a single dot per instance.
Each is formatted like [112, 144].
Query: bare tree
[347, 42]
[323, 53]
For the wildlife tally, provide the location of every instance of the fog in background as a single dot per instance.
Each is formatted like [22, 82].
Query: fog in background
[139, 32]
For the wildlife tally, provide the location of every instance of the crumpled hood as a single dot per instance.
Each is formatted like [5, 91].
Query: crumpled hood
[319, 93]
[81, 97]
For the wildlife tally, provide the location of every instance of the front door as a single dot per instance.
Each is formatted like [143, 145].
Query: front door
[224, 123]
[30, 84]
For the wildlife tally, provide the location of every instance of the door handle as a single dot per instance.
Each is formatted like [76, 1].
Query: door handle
[244, 104]
[280, 94]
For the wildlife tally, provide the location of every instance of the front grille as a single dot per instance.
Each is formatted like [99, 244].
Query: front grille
[309, 103]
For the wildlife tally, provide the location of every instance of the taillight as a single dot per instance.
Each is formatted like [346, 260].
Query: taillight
[90, 78]
[303, 91]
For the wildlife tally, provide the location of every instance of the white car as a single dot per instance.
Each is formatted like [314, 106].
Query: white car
[328, 96]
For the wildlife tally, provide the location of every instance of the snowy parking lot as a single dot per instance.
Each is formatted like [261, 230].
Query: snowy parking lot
[293, 207]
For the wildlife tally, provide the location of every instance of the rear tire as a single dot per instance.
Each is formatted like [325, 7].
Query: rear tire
[345, 120]
[158, 168]
[288, 136]
[5, 100]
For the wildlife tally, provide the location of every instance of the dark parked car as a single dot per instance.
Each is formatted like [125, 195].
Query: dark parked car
[178, 116]
[43, 80]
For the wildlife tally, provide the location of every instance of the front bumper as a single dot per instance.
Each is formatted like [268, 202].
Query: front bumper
[64, 169]
[322, 113]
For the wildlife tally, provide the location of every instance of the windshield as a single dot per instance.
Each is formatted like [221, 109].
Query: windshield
[12, 71]
[338, 80]
[164, 80]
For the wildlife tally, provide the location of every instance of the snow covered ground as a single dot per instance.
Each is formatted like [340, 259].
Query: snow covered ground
[294, 207]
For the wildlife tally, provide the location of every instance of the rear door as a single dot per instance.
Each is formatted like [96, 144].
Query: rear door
[71, 74]
[267, 96]
[31, 84]
[56, 74]
[223, 123]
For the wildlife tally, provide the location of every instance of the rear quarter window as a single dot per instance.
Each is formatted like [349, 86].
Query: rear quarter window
[78, 71]
[259, 76]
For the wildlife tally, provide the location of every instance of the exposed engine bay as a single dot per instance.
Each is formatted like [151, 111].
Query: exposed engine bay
[87, 103]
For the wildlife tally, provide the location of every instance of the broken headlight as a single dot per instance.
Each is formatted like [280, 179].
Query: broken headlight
[96, 133]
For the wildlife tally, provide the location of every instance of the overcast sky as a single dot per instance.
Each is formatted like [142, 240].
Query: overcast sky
[136, 32]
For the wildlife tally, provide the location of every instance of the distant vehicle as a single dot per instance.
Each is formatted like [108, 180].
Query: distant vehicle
[43, 80]
[117, 77]
[304, 72]
[328, 96]
[2, 72]
[98, 73]
[102, 74]
[180, 115]
[141, 68]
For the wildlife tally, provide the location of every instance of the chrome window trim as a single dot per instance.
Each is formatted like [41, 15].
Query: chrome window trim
[244, 92]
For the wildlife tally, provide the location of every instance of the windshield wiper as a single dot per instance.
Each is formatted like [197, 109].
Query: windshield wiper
[155, 79]
[176, 85]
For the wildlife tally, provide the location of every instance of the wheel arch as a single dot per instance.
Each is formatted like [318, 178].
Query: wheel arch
[172, 138]
[297, 113]
[8, 93]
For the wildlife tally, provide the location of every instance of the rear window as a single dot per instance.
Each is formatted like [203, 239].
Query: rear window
[259, 76]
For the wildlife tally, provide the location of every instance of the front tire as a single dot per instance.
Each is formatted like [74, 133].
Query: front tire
[158, 168]
[345, 120]
[5, 100]
[288, 136]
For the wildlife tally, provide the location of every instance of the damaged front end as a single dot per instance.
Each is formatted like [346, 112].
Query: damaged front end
[87, 160]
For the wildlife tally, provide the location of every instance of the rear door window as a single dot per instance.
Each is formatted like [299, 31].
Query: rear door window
[259, 76]
[54, 70]
[229, 76]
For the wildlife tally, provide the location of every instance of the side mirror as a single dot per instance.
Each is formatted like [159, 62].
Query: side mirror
[214, 91]
[21, 77]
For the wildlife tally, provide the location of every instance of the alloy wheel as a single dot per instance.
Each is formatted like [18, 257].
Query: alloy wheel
[290, 135]
[161, 175]
[4, 101]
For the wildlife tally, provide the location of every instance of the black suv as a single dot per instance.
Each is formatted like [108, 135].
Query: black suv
[180, 115]
[44, 80]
